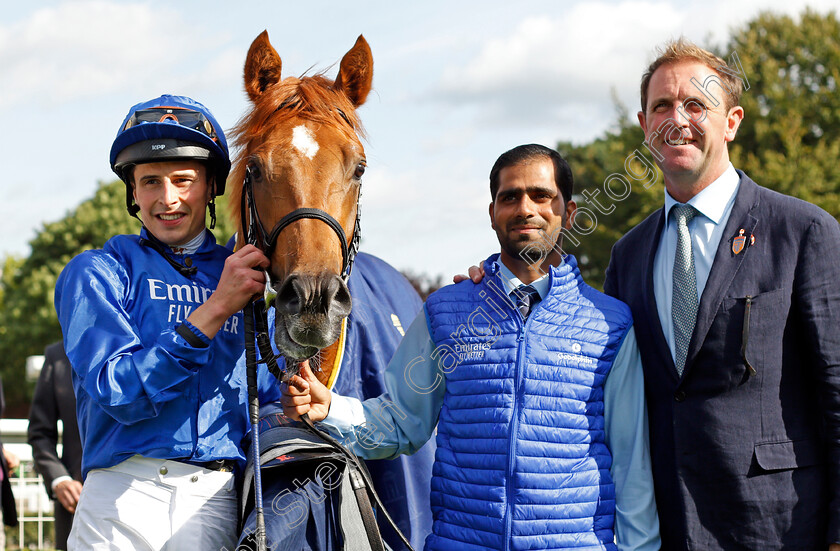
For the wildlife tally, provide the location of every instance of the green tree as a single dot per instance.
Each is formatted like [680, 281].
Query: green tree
[789, 140]
[617, 186]
[28, 320]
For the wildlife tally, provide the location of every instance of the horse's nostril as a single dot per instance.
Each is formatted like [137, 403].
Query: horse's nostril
[288, 297]
[325, 295]
[340, 302]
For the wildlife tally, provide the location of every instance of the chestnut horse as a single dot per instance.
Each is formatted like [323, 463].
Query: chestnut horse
[300, 146]
[302, 158]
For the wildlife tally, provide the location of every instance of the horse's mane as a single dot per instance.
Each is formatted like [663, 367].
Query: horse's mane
[308, 97]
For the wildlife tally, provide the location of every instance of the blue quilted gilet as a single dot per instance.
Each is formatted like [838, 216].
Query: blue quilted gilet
[521, 459]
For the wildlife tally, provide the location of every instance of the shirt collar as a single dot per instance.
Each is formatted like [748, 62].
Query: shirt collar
[191, 246]
[512, 282]
[199, 243]
[712, 201]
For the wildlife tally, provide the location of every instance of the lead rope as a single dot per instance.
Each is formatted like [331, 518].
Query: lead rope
[253, 385]
[254, 415]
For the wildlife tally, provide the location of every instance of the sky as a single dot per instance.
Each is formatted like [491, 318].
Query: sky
[456, 83]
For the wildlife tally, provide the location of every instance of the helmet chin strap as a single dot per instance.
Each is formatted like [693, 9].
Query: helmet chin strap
[132, 207]
[212, 207]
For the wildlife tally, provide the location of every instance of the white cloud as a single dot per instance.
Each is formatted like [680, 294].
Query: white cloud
[79, 50]
[556, 70]
[455, 85]
[549, 62]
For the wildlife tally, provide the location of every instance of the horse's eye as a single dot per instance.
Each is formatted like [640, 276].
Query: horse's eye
[256, 174]
[360, 169]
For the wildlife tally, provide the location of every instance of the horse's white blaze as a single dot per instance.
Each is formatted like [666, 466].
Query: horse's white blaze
[304, 141]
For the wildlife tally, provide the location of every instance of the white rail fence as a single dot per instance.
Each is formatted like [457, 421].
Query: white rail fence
[35, 509]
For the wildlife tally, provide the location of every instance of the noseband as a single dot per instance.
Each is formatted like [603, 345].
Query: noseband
[257, 236]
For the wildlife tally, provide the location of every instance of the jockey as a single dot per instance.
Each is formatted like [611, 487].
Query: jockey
[152, 327]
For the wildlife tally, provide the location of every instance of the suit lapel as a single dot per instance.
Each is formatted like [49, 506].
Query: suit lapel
[725, 265]
[651, 311]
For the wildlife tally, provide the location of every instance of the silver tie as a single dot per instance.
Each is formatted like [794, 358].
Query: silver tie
[525, 297]
[684, 301]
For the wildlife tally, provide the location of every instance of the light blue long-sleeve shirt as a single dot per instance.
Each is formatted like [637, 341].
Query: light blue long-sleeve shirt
[405, 417]
[714, 204]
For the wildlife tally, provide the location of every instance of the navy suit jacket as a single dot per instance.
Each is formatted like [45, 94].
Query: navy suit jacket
[742, 460]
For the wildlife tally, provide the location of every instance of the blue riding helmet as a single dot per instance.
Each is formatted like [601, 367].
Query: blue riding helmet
[169, 128]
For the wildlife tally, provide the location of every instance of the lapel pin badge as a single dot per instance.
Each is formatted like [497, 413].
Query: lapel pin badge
[739, 241]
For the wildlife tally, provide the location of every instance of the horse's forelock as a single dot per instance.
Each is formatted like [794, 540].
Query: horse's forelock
[308, 97]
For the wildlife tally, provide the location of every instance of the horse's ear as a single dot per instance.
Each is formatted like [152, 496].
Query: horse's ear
[355, 74]
[262, 67]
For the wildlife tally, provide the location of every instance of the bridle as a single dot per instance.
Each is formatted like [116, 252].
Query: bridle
[265, 241]
[256, 323]
[257, 339]
[257, 236]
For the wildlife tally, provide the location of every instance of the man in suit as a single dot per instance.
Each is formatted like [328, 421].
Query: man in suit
[737, 312]
[53, 400]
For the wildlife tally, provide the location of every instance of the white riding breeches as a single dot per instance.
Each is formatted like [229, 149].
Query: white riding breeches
[149, 504]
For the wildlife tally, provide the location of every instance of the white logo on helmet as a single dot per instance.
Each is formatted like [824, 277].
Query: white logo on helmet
[158, 146]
